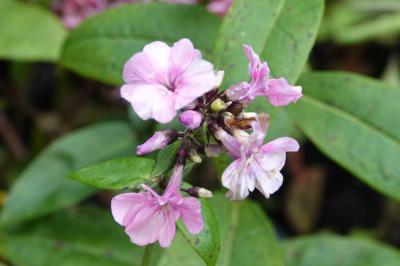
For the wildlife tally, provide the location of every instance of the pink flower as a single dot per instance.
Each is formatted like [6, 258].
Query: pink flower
[158, 141]
[255, 165]
[278, 91]
[73, 12]
[161, 80]
[149, 217]
[190, 119]
[219, 7]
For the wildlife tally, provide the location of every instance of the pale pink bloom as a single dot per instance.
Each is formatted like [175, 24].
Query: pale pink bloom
[190, 119]
[161, 80]
[278, 91]
[158, 141]
[219, 7]
[73, 12]
[149, 217]
[255, 165]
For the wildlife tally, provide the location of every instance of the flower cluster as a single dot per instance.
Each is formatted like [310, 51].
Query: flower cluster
[73, 12]
[163, 82]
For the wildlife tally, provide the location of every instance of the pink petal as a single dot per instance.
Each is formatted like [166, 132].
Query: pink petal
[182, 55]
[219, 7]
[272, 161]
[280, 93]
[238, 92]
[269, 183]
[150, 101]
[198, 79]
[145, 228]
[125, 205]
[167, 230]
[158, 54]
[190, 212]
[237, 180]
[284, 144]
[229, 142]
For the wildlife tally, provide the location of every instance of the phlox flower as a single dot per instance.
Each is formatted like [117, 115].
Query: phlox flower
[278, 91]
[149, 217]
[255, 165]
[161, 80]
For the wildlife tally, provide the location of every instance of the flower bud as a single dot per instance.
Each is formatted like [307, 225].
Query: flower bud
[194, 156]
[158, 141]
[213, 150]
[219, 105]
[200, 192]
[190, 119]
[219, 78]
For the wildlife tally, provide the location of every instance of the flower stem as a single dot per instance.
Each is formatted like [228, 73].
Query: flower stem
[148, 251]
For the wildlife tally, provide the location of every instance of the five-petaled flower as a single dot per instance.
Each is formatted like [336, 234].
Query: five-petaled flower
[161, 80]
[255, 165]
[149, 217]
[278, 91]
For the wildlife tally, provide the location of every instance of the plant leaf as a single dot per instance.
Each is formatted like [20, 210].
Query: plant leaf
[207, 242]
[41, 188]
[100, 46]
[247, 238]
[116, 174]
[329, 250]
[29, 32]
[79, 237]
[247, 22]
[354, 121]
[165, 159]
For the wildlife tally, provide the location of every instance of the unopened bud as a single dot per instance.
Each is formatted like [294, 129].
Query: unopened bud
[219, 78]
[190, 119]
[194, 156]
[213, 150]
[158, 141]
[200, 192]
[218, 105]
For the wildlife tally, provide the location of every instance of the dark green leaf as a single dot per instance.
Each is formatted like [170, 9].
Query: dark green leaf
[354, 121]
[101, 45]
[207, 243]
[247, 22]
[247, 238]
[326, 250]
[87, 236]
[292, 37]
[41, 188]
[116, 174]
[29, 32]
[165, 159]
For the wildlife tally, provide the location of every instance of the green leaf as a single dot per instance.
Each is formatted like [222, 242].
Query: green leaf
[327, 250]
[29, 32]
[116, 174]
[354, 121]
[41, 188]
[101, 45]
[286, 51]
[356, 21]
[165, 159]
[207, 242]
[247, 238]
[292, 38]
[79, 237]
[247, 22]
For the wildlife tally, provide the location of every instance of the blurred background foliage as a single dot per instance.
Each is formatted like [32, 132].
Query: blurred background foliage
[60, 111]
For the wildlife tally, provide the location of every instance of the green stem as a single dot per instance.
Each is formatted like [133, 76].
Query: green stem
[148, 250]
